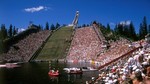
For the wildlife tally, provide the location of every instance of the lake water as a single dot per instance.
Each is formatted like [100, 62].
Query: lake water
[37, 73]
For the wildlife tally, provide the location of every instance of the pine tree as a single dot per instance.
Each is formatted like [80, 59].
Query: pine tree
[3, 32]
[2, 46]
[52, 27]
[10, 30]
[132, 32]
[120, 29]
[126, 31]
[116, 29]
[108, 27]
[57, 25]
[94, 22]
[40, 27]
[14, 31]
[149, 29]
[143, 28]
[83, 25]
[87, 25]
[140, 32]
[47, 26]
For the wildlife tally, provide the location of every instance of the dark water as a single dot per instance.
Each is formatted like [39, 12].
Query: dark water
[37, 73]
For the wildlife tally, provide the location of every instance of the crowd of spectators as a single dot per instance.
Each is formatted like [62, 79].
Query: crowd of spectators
[116, 49]
[132, 69]
[85, 45]
[25, 48]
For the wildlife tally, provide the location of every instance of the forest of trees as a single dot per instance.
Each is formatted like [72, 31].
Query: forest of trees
[52, 27]
[6, 33]
[128, 31]
[125, 30]
[12, 30]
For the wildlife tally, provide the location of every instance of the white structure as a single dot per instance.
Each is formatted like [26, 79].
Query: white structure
[147, 38]
[75, 21]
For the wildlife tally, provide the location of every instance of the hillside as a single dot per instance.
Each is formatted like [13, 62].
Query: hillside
[23, 50]
[85, 45]
[57, 44]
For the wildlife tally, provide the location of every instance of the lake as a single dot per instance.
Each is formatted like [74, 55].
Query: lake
[37, 73]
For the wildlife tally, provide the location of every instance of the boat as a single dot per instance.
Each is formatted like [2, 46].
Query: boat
[9, 65]
[2, 65]
[73, 70]
[53, 73]
[89, 69]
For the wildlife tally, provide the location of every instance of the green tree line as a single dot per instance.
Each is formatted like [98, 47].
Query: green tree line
[128, 31]
[6, 33]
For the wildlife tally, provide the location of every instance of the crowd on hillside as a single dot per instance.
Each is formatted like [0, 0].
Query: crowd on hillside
[133, 69]
[116, 49]
[85, 45]
[25, 48]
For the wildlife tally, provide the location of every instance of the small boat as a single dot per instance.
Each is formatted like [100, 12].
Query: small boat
[73, 70]
[2, 65]
[9, 65]
[89, 69]
[53, 73]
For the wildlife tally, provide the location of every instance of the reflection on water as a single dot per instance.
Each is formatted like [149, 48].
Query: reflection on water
[37, 73]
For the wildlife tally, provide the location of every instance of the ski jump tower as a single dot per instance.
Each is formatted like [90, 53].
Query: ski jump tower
[75, 21]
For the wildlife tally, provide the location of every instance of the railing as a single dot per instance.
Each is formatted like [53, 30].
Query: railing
[71, 42]
[100, 36]
[97, 33]
[36, 53]
[126, 54]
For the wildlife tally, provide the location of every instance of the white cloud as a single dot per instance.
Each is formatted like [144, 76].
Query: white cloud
[125, 22]
[111, 23]
[21, 30]
[128, 22]
[36, 9]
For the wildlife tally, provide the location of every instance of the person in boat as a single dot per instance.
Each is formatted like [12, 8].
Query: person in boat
[52, 71]
[75, 69]
[80, 69]
[68, 70]
[57, 71]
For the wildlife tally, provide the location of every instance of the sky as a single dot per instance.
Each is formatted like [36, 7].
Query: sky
[20, 12]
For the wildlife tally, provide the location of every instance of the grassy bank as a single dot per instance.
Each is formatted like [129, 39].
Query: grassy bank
[56, 46]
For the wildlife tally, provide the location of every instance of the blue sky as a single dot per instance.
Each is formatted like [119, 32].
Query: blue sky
[20, 12]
